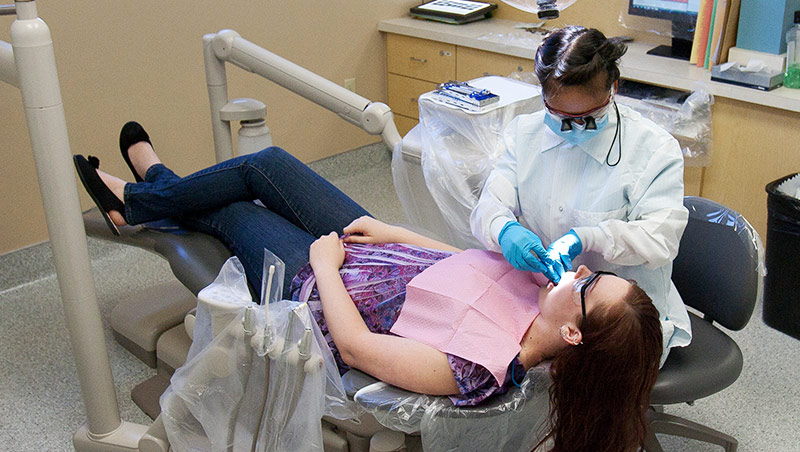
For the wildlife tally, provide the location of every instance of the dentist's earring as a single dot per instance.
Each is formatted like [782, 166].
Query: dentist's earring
[563, 331]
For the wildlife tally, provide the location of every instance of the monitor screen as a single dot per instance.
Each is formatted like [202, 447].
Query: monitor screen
[682, 13]
[665, 9]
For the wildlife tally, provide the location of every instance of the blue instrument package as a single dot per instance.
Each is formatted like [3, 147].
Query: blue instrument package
[462, 95]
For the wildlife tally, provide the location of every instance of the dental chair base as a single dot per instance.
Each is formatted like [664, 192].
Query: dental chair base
[172, 348]
[139, 319]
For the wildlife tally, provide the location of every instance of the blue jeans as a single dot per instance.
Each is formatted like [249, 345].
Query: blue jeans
[300, 207]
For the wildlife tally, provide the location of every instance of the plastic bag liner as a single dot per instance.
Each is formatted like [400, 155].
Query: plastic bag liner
[711, 212]
[459, 148]
[688, 120]
[219, 400]
[788, 186]
[514, 421]
[782, 283]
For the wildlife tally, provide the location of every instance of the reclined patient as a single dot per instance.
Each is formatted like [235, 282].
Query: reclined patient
[601, 332]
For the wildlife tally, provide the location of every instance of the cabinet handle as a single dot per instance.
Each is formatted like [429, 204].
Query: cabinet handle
[421, 60]
[519, 69]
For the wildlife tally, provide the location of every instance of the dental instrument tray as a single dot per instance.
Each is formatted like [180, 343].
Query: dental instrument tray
[453, 11]
[464, 96]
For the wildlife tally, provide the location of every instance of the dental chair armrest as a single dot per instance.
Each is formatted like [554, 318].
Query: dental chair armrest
[353, 380]
[395, 408]
[403, 410]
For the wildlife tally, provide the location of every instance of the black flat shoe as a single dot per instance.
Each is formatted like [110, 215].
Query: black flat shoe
[102, 196]
[132, 132]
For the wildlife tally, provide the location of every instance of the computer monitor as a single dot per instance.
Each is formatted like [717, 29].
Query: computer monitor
[682, 13]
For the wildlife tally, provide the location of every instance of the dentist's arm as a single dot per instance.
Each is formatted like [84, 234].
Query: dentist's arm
[652, 232]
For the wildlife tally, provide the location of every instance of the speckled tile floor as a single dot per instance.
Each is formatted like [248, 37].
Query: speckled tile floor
[39, 391]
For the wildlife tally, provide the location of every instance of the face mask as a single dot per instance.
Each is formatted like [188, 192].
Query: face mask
[564, 125]
[579, 133]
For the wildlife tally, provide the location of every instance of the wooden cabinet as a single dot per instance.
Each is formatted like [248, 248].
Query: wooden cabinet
[415, 66]
[420, 59]
[403, 93]
[474, 63]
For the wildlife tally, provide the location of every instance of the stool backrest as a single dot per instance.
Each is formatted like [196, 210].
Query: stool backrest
[718, 267]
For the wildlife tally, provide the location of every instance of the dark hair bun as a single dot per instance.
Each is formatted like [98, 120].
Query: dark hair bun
[576, 55]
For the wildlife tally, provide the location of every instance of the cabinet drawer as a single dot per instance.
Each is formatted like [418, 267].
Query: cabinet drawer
[474, 63]
[420, 58]
[403, 93]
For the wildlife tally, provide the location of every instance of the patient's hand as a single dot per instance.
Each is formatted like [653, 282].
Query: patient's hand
[369, 230]
[327, 252]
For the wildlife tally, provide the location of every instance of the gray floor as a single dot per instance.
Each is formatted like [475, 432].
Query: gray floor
[40, 399]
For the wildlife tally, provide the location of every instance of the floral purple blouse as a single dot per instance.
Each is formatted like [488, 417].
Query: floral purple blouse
[375, 276]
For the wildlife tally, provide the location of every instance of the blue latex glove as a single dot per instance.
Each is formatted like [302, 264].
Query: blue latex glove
[522, 248]
[561, 253]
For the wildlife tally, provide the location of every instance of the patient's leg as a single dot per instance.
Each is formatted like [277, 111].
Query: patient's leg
[284, 184]
[247, 229]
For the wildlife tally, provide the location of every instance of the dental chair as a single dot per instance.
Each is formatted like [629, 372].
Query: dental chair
[718, 272]
[151, 323]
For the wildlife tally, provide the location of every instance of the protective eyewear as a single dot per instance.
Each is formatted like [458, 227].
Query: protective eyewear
[587, 117]
[583, 285]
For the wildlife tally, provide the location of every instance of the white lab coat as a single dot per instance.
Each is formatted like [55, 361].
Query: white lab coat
[629, 217]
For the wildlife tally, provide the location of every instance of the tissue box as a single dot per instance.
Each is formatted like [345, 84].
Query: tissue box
[763, 80]
[777, 63]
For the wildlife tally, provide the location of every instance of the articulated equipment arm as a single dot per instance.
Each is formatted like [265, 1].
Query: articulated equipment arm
[228, 46]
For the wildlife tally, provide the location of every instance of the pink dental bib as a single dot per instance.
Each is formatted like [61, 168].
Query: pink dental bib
[473, 305]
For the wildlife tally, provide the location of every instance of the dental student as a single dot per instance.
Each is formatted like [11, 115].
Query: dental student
[599, 183]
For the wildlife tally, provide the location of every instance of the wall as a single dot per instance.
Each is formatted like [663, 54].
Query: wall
[143, 60]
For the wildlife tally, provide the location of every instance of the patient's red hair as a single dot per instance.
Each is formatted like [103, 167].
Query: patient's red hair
[601, 388]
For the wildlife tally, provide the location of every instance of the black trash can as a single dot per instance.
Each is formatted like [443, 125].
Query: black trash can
[782, 282]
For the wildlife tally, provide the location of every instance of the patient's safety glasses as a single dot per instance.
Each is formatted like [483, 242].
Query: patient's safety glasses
[584, 284]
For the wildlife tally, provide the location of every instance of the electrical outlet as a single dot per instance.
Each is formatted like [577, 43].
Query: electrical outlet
[350, 83]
